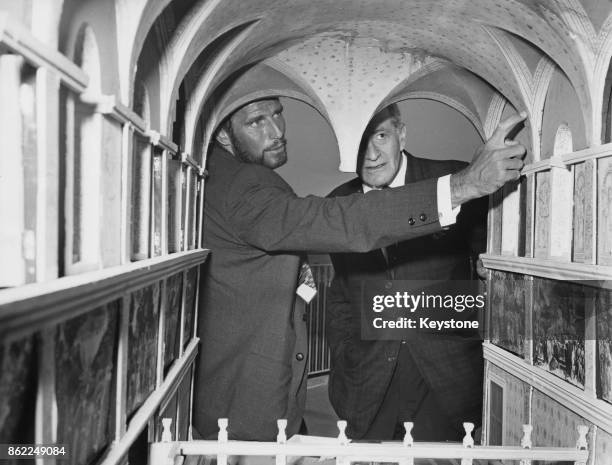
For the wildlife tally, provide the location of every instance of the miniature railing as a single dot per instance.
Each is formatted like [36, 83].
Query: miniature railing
[345, 452]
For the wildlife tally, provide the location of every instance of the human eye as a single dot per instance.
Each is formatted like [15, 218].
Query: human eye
[380, 136]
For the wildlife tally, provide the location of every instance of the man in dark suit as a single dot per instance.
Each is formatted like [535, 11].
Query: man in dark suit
[433, 380]
[251, 366]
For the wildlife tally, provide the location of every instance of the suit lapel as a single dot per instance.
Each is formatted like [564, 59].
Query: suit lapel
[379, 253]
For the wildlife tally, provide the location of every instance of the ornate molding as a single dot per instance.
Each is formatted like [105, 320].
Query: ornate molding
[592, 409]
[598, 275]
[28, 308]
[563, 161]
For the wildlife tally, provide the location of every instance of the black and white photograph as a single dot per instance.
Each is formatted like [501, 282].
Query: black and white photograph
[305, 232]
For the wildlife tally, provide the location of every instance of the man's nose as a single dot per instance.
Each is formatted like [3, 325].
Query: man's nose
[372, 152]
[276, 129]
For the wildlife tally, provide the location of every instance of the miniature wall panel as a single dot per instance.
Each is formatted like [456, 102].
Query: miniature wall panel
[559, 328]
[85, 353]
[508, 311]
[583, 212]
[543, 208]
[603, 448]
[553, 423]
[191, 278]
[141, 197]
[527, 207]
[18, 383]
[175, 227]
[512, 395]
[111, 166]
[142, 343]
[184, 409]
[158, 206]
[604, 214]
[172, 331]
[603, 312]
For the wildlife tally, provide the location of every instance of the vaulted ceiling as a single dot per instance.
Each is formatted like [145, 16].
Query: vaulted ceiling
[348, 58]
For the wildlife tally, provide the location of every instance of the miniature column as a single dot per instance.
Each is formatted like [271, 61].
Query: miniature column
[343, 441]
[526, 442]
[222, 439]
[468, 441]
[281, 438]
[408, 442]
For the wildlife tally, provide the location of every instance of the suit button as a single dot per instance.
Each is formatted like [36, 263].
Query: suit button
[423, 217]
[388, 285]
[299, 356]
[304, 317]
[410, 221]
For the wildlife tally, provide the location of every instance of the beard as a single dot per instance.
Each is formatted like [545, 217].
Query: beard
[271, 157]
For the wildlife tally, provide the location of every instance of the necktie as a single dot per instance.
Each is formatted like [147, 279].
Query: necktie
[388, 252]
[306, 288]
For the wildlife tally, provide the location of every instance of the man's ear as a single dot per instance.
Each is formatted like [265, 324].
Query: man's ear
[402, 136]
[224, 139]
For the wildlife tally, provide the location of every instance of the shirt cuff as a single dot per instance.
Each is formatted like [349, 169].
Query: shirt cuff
[446, 213]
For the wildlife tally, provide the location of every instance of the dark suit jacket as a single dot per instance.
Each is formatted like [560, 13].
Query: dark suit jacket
[451, 364]
[249, 368]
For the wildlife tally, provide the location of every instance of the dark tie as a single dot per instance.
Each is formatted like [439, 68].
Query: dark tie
[306, 287]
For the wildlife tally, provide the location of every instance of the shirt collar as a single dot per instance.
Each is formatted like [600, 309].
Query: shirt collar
[399, 179]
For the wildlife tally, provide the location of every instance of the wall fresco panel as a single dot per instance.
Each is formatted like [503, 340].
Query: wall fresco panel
[583, 211]
[86, 348]
[529, 188]
[553, 424]
[183, 399]
[603, 448]
[508, 304]
[18, 383]
[542, 215]
[603, 309]
[604, 217]
[142, 345]
[190, 300]
[174, 293]
[558, 325]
